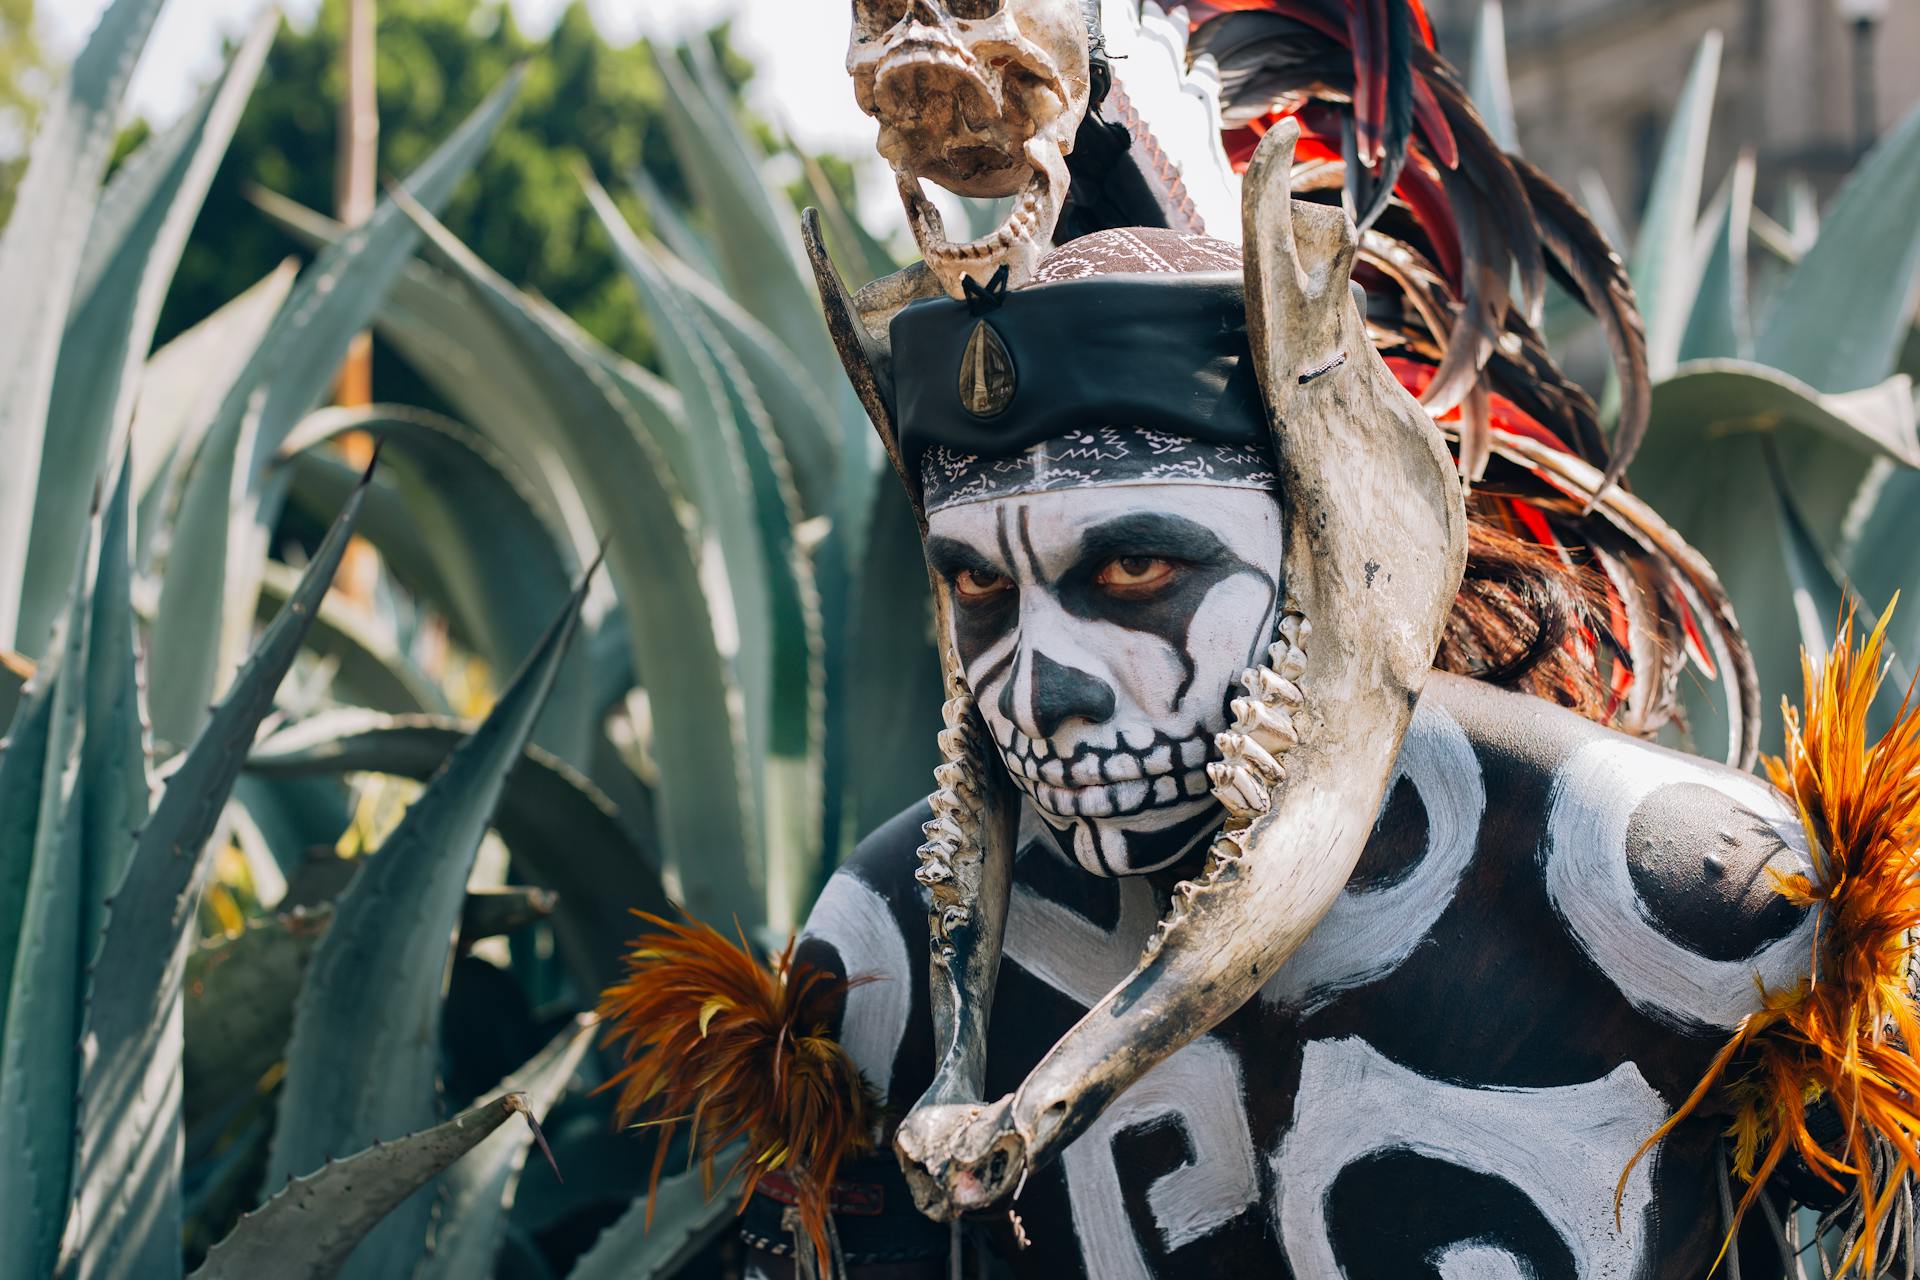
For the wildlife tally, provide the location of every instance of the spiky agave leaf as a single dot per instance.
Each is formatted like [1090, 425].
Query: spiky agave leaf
[1845, 1040]
[738, 1050]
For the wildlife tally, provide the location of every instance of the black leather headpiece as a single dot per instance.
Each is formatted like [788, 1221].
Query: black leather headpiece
[1002, 371]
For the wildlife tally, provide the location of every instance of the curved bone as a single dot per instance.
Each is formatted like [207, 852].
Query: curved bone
[967, 861]
[1376, 542]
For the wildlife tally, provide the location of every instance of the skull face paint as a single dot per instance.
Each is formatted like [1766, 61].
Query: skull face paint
[1100, 629]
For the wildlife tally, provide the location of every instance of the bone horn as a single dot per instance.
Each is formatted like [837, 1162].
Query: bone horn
[1376, 543]
[967, 860]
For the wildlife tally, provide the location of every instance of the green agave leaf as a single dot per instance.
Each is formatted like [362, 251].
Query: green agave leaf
[39, 1060]
[684, 1221]
[363, 1061]
[1487, 83]
[1841, 316]
[497, 566]
[1662, 265]
[1719, 327]
[310, 1228]
[861, 255]
[206, 602]
[731, 431]
[471, 1218]
[1877, 550]
[756, 230]
[440, 328]
[114, 757]
[372, 672]
[41, 250]
[563, 834]
[15, 671]
[682, 636]
[317, 481]
[138, 235]
[802, 417]
[671, 224]
[182, 388]
[1708, 467]
[718, 479]
[895, 701]
[238, 1005]
[125, 1216]
[23, 766]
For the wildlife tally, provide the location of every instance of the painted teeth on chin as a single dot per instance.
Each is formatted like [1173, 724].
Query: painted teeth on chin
[1053, 771]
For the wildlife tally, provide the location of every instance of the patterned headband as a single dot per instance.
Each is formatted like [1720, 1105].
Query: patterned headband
[1089, 456]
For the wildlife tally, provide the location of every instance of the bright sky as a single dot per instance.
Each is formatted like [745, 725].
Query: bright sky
[798, 45]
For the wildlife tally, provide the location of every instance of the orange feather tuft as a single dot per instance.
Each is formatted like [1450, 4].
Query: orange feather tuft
[740, 1051]
[1845, 1035]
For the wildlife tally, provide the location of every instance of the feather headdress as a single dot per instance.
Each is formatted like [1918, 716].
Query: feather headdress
[1845, 1036]
[1459, 238]
[740, 1051]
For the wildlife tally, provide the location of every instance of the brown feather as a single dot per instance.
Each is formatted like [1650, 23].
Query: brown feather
[739, 1051]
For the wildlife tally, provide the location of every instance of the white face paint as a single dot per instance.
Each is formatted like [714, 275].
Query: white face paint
[1100, 629]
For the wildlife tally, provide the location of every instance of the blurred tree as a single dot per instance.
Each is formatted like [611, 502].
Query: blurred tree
[585, 101]
[21, 69]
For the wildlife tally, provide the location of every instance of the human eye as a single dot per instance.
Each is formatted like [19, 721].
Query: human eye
[979, 585]
[1136, 575]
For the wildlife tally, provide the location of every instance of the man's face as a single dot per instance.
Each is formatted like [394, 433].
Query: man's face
[1100, 630]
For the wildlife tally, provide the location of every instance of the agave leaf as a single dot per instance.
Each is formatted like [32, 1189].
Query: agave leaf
[672, 226]
[317, 481]
[23, 766]
[1877, 550]
[206, 601]
[718, 479]
[862, 256]
[140, 230]
[114, 759]
[125, 1216]
[310, 1228]
[756, 232]
[683, 635]
[731, 431]
[1840, 317]
[15, 671]
[238, 1005]
[895, 702]
[802, 416]
[363, 1061]
[684, 1220]
[1487, 83]
[182, 388]
[370, 671]
[1719, 326]
[1729, 420]
[41, 250]
[500, 565]
[563, 834]
[1662, 265]
[471, 1218]
[39, 1061]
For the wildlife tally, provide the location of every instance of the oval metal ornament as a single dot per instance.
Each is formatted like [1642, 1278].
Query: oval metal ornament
[986, 373]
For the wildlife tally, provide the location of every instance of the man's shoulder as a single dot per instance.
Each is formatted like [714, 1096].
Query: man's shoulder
[1662, 865]
[886, 858]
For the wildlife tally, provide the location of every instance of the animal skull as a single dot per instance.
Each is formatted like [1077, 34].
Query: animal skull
[983, 97]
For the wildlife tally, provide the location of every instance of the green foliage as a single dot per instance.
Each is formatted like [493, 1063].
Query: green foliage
[183, 519]
[21, 67]
[584, 103]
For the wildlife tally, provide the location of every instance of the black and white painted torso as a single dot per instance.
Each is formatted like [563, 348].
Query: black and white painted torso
[1552, 930]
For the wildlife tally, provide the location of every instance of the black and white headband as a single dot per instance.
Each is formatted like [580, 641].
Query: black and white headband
[1085, 457]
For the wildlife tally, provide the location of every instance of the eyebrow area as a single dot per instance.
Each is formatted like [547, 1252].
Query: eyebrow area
[1151, 533]
[951, 557]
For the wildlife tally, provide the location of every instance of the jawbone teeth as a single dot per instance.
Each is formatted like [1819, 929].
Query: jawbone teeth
[1251, 765]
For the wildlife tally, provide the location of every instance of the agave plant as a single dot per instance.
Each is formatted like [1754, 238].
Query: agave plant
[186, 702]
[1782, 438]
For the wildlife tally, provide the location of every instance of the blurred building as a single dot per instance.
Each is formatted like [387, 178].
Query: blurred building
[1803, 82]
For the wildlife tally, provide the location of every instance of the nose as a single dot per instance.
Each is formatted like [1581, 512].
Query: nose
[1053, 694]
